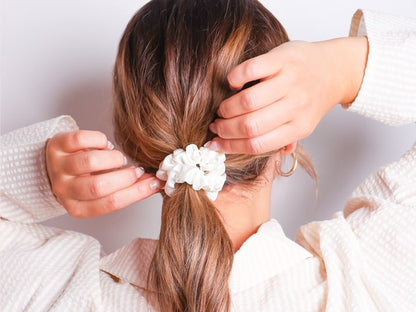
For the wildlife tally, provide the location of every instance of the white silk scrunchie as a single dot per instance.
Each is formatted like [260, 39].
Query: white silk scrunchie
[202, 168]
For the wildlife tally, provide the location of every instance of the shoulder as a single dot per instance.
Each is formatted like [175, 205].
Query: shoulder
[41, 264]
[368, 250]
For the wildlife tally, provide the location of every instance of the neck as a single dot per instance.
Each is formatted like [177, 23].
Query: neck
[243, 210]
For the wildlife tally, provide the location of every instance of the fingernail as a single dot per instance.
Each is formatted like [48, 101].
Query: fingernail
[110, 145]
[212, 145]
[155, 184]
[213, 127]
[233, 87]
[125, 160]
[139, 172]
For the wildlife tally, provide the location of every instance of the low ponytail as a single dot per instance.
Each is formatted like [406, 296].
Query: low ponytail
[170, 77]
[194, 255]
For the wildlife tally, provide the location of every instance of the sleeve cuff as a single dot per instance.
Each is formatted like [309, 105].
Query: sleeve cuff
[388, 91]
[26, 195]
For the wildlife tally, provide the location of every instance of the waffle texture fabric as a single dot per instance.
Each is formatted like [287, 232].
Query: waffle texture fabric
[362, 259]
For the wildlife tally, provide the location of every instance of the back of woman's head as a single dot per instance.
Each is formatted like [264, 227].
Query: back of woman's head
[169, 79]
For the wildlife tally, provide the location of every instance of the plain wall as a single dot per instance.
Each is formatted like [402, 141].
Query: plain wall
[57, 58]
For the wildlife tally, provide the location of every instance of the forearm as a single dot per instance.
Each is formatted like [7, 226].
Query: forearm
[347, 59]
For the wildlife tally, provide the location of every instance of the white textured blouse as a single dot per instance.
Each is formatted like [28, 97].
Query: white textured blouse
[363, 259]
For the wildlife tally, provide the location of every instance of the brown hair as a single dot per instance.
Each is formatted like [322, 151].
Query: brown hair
[169, 79]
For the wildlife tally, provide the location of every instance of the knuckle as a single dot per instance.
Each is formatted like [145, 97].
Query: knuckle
[227, 146]
[58, 187]
[132, 175]
[250, 127]
[223, 110]
[87, 161]
[247, 100]
[230, 78]
[255, 146]
[58, 137]
[112, 202]
[49, 145]
[294, 58]
[96, 188]
[304, 101]
[249, 69]
[53, 146]
[50, 154]
[291, 59]
[57, 190]
[77, 138]
[75, 211]
[220, 128]
[141, 190]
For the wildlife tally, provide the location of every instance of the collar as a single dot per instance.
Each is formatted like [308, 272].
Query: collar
[263, 255]
[131, 262]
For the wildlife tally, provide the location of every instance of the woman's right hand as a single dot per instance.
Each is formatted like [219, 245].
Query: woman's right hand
[88, 177]
[299, 83]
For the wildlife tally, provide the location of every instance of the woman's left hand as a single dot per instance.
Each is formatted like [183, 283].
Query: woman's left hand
[299, 83]
[89, 178]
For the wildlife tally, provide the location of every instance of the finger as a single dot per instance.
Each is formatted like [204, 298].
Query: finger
[268, 142]
[71, 142]
[254, 98]
[91, 161]
[96, 186]
[259, 67]
[255, 123]
[142, 189]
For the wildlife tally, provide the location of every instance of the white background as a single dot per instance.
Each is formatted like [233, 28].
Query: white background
[57, 58]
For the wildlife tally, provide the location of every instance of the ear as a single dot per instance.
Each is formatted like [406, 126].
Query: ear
[288, 149]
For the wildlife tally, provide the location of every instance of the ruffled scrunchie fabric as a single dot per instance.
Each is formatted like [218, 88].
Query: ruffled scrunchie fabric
[202, 168]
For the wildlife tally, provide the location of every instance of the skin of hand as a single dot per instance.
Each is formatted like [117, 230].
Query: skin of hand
[88, 176]
[299, 83]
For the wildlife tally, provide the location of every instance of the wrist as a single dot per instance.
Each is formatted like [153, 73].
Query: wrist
[350, 55]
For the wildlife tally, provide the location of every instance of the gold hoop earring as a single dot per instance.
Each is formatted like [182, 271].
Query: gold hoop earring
[292, 170]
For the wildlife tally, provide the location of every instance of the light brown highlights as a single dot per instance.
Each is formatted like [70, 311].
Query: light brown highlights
[169, 79]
